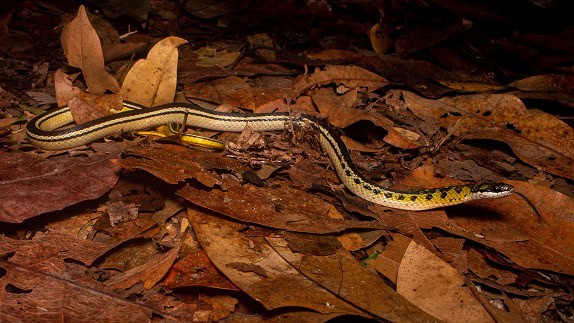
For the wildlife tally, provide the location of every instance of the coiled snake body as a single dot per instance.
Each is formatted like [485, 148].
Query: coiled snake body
[42, 132]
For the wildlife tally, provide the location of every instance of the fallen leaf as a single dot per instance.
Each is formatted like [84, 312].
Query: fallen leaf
[152, 81]
[195, 269]
[52, 184]
[209, 57]
[233, 91]
[350, 76]
[272, 282]
[41, 97]
[437, 288]
[150, 273]
[64, 89]
[263, 45]
[537, 138]
[30, 295]
[340, 113]
[341, 274]
[174, 164]
[83, 50]
[87, 107]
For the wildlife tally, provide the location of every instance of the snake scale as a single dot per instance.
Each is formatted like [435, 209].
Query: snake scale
[43, 131]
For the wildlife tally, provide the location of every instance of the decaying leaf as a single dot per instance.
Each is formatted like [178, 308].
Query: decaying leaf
[350, 76]
[253, 266]
[195, 269]
[341, 274]
[51, 184]
[83, 50]
[437, 288]
[30, 295]
[152, 81]
[150, 273]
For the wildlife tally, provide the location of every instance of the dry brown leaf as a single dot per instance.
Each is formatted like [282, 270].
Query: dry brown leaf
[152, 81]
[350, 76]
[87, 106]
[174, 164]
[50, 184]
[479, 266]
[195, 269]
[221, 307]
[149, 273]
[341, 274]
[388, 261]
[35, 296]
[470, 86]
[452, 252]
[263, 45]
[437, 288]
[537, 138]
[546, 83]
[65, 91]
[253, 266]
[189, 72]
[340, 113]
[83, 50]
[210, 57]
[233, 91]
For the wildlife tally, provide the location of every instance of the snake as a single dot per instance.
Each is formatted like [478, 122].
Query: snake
[44, 132]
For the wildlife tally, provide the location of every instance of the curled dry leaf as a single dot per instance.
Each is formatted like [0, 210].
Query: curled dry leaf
[437, 288]
[83, 50]
[150, 273]
[350, 76]
[152, 81]
[341, 274]
[50, 184]
[253, 266]
[537, 138]
[233, 91]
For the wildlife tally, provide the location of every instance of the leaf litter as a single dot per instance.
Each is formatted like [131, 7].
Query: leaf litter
[267, 221]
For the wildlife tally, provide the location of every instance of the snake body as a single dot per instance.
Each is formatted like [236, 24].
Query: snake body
[43, 132]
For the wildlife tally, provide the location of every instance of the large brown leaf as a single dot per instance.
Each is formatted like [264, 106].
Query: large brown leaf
[342, 274]
[33, 185]
[253, 266]
[83, 50]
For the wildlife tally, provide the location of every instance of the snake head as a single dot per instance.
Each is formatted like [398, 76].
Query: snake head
[488, 191]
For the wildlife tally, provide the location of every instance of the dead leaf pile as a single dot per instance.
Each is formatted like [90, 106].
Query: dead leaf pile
[132, 228]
